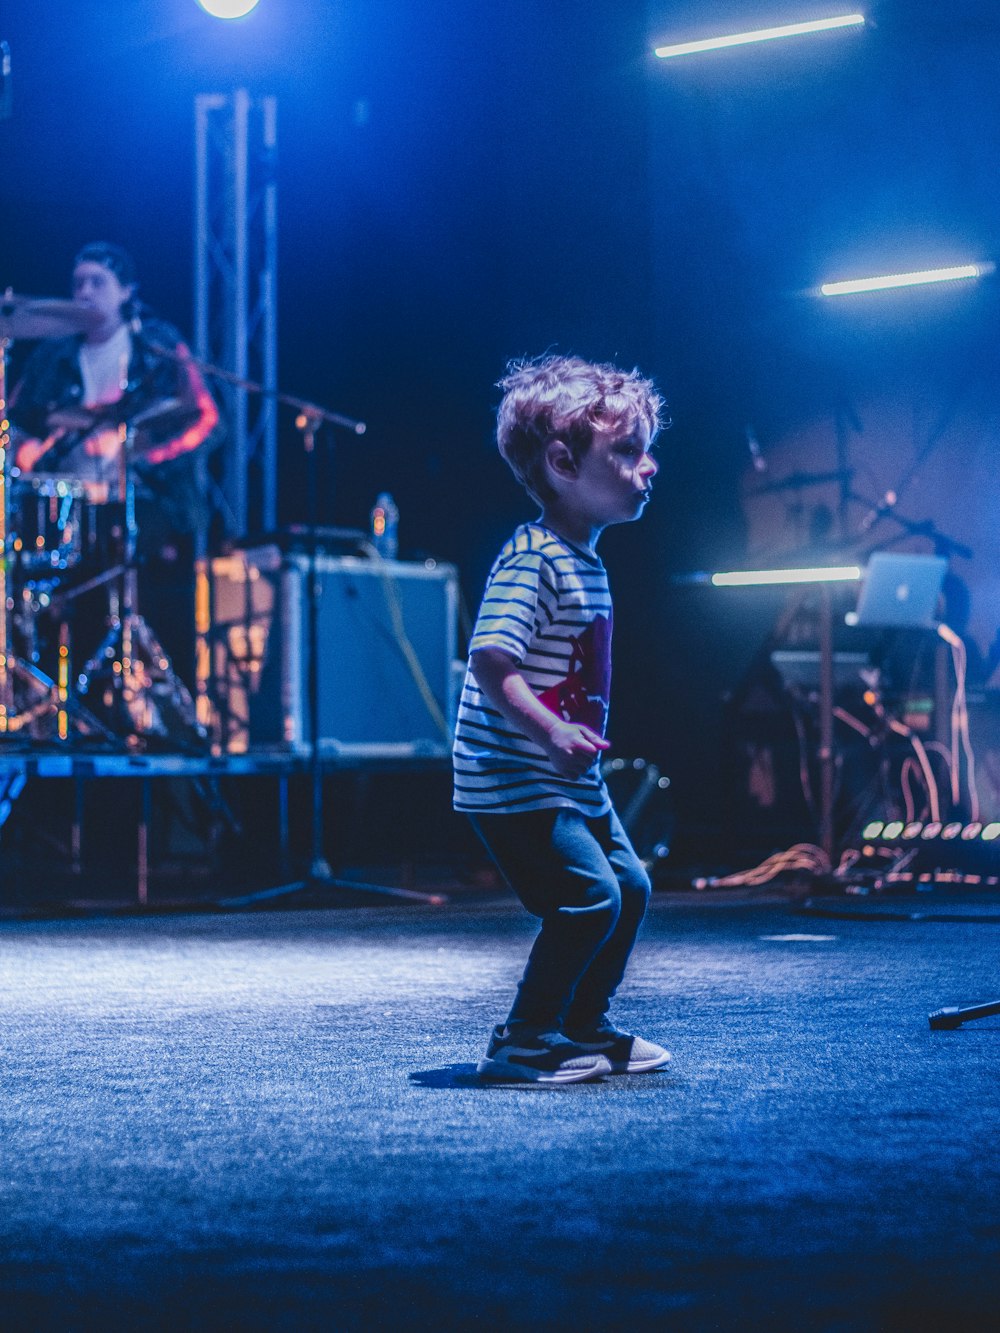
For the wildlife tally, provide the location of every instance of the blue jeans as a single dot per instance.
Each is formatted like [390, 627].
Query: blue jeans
[582, 877]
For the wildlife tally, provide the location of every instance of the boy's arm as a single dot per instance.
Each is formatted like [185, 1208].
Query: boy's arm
[571, 746]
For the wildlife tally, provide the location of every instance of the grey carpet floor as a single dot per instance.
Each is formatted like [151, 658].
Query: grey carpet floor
[270, 1121]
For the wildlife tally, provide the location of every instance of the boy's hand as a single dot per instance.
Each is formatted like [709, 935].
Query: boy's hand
[572, 747]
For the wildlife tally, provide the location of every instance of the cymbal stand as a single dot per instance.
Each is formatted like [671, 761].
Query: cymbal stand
[130, 674]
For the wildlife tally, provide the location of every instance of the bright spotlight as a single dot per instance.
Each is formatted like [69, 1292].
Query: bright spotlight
[227, 9]
[889, 280]
[761, 35]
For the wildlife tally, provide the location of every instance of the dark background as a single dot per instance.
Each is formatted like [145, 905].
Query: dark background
[462, 183]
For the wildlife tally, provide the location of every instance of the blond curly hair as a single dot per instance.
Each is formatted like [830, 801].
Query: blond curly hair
[569, 399]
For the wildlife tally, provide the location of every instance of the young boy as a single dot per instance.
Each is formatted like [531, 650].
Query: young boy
[530, 730]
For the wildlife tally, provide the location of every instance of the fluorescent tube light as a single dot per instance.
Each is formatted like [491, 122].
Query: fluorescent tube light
[744, 578]
[905, 279]
[928, 275]
[761, 35]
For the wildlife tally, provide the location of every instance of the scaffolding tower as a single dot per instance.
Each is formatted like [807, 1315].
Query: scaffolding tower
[236, 298]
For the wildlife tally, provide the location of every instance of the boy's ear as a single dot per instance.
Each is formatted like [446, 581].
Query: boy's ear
[559, 457]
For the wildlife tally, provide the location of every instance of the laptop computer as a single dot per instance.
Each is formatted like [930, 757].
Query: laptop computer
[901, 591]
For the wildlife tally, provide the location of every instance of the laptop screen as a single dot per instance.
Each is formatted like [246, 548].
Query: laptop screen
[901, 590]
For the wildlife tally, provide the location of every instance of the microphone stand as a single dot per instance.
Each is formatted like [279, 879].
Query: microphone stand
[886, 508]
[320, 876]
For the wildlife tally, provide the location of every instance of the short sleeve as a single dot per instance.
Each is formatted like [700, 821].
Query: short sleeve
[519, 602]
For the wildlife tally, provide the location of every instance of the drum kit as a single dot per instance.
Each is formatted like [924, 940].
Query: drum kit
[63, 536]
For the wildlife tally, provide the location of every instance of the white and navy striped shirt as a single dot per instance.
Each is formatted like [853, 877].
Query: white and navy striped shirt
[547, 606]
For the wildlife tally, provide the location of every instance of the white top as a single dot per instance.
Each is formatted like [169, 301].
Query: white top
[104, 368]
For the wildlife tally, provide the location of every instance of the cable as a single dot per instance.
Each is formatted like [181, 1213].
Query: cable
[804, 779]
[803, 856]
[960, 724]
[909, 766]
[402, 639]
[925, 764]
[852, 721]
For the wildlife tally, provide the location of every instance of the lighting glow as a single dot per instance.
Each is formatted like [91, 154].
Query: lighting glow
[889, 280]
[761, 35]
[742, 578]
[228, 9]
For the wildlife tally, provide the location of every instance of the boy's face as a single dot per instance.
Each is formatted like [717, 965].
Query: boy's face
[614, 477]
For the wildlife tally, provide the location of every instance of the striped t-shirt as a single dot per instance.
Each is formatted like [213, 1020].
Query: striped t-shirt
[546, 606]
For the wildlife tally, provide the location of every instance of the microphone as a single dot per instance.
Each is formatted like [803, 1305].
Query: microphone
[879, 511]
[6, 83]
[756, 457]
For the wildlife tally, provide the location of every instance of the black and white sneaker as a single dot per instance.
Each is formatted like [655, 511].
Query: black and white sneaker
[529, 1056]
[625, 1053]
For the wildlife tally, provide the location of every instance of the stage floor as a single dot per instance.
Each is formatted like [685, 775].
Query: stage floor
[271, 1121]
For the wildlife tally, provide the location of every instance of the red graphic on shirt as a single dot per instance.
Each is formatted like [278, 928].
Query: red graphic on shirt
[585, 693]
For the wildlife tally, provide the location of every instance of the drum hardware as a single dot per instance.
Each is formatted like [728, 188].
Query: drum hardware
[57, 523]
[31, 703]
[130, 678]
[130, 674]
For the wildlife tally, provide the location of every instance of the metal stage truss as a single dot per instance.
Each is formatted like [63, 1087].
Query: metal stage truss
[236, 295]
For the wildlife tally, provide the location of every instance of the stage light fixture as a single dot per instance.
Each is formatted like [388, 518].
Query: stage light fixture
[745, 578]
[228, 9]
[912, 829]
[892, 830]
[760, 35]
[951, 830]
[891, 280]
[990, 832]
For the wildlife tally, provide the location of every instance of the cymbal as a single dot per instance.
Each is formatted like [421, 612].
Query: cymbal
[43, 317]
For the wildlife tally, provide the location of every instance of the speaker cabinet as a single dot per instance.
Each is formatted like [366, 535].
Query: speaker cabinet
[386, 645]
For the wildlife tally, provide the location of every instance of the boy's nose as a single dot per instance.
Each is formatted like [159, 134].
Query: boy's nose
[649, 466]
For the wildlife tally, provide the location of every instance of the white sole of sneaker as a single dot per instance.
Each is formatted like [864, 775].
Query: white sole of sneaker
[643, 1066]
[499, 1071]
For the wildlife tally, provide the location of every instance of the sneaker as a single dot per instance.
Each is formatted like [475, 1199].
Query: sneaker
[626, 1054]
[529, 1056]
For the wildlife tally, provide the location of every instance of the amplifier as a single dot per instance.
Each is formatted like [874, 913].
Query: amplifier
[386, 645]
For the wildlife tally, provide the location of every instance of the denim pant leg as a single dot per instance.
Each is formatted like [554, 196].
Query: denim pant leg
[558, 868]
[602, 978]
